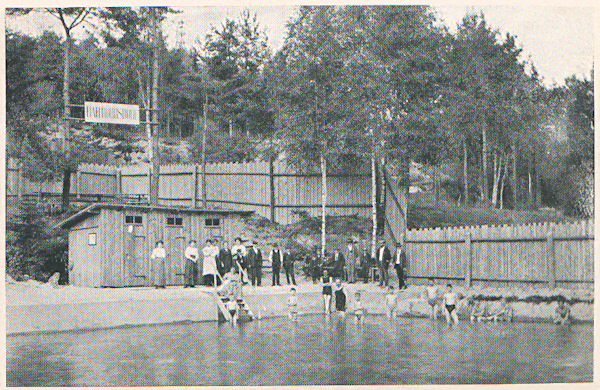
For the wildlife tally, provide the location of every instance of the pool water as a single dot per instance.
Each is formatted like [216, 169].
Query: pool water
[311, 351]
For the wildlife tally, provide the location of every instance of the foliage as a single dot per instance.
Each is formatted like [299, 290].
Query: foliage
[32, 249]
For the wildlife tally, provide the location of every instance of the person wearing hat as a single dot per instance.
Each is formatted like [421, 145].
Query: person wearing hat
[275, 260]
[338, 264]
[365, 265]
[224, 264]
[399, 263]
[255, 262]
[351, 256]
[383, 261]
[288, 266]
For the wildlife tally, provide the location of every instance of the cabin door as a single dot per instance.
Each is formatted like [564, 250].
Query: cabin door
[175, 265]
[136, 260]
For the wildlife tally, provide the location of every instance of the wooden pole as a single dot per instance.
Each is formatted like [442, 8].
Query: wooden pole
[204, 150]
[20, 183]
[323, 204]
[272, 188]
[78, 184]
[550, 258]
[154, 182]
[468, 261]
[119, 185]
[194, 202]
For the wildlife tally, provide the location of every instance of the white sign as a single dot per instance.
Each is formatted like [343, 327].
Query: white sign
[124, 114]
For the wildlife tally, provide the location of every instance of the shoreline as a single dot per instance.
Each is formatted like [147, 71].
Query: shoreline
[34, 308]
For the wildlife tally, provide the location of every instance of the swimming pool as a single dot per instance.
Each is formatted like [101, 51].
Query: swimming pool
[310, 351]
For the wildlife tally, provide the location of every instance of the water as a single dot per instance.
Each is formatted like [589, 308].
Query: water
[311, 351]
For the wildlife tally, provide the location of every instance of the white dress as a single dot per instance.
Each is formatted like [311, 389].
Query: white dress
[209, 265]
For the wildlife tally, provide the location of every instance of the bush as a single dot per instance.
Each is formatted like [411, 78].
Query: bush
[33, 248]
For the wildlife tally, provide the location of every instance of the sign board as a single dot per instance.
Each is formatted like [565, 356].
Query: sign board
[123, 114]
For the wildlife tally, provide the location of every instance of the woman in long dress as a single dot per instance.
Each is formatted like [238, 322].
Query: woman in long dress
[158, 265]
[209, 265]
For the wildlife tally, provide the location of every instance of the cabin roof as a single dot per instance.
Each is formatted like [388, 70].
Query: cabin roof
[94, 209]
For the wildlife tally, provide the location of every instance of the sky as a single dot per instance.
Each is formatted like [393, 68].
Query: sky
[558, 40]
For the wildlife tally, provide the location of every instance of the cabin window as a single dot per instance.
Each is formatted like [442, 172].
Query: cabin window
[212, 222]
[134, 219]
[174, 221]
[92, 239]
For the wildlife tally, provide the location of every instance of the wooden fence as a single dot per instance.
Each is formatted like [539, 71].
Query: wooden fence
[542, 255]
[271, 191]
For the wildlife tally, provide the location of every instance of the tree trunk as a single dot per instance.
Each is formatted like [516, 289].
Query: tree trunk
[155, 157]
[502, 181]
[466, 171]
[538, 183]
[66, 184]
[529, 182]
[323, 203]
[515, 184]
[496, 179]
[436, 185]
[484, 157]
[374, 203]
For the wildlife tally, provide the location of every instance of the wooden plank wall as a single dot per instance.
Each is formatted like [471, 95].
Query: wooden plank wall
[507, 255]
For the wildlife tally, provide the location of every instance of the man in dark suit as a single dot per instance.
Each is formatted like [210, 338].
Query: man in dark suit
[224, 259]
[351, 256]
[383, 260]
[338, 264]
[288, 265]
[256, 262]
[365, 265]
[399, 264]
[275, 259]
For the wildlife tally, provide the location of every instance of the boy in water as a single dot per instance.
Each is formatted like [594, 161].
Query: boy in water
[478, 310]
[293, 305]
[562, 314]
[231, 305]
[340, 297]
[359, 310]
[450, 301]
[504, 312]
[432, 292]
[391, 301]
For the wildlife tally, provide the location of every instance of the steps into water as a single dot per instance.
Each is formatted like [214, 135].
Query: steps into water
[244, 312]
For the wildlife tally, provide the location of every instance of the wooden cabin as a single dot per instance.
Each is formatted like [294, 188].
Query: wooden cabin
[110, 244]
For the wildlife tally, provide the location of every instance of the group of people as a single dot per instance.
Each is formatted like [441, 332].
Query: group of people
[243, 259]
[351, 265]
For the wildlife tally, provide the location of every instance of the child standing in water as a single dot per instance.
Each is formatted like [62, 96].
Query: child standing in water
[450, 301]
[327, 292]
[562, 314]
[293, 305]
[432, 292]
[340, 297]
[231, 305]
[359, 310]
[391, 300]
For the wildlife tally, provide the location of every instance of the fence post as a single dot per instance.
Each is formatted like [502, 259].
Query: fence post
[119, 185]
[78, 184]
[469, 261]
[272, 189]
[550, 257]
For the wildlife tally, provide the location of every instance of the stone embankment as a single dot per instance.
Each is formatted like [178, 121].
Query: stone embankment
[36, 307]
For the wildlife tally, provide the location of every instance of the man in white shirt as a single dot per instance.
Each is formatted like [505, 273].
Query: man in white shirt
[383, 258]
[191, 255]
[399, 263]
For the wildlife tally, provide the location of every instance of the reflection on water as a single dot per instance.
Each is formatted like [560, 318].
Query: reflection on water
[310, 351]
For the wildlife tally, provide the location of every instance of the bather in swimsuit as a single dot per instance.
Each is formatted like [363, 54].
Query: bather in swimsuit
[450, 308]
